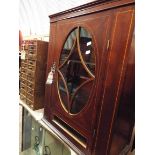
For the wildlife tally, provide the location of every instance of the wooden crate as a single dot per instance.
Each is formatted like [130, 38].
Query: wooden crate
[32, 73]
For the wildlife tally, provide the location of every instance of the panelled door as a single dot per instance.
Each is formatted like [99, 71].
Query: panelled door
[75, 70]
[87, 61]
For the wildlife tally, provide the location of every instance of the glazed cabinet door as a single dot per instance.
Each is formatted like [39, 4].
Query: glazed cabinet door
[86, 67]
[75, 69]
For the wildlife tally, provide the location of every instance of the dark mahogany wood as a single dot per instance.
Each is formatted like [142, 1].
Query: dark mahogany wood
[124, 120]
[111, 25]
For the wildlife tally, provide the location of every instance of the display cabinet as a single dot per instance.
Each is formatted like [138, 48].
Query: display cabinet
[26, 129]
[32, 139]
[89, 95]
[38, 140]
[54, 146]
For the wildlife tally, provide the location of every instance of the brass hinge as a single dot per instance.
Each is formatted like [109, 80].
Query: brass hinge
[108, 44]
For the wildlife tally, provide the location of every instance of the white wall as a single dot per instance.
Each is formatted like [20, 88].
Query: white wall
[33, 14]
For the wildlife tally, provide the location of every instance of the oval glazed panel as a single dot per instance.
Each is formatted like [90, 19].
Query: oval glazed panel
[76, 70]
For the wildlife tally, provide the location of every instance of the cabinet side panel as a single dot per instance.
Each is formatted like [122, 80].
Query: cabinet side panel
[117, 61]
[125, 115]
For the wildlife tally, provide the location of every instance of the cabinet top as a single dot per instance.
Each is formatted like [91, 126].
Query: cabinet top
[95, 6]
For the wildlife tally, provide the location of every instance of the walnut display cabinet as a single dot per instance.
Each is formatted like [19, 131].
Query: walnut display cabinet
[90, 99]
[32, 72]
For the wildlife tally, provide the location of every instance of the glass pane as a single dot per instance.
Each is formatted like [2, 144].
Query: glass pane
[27, 125]
[86, 47]
[63, 92]
[68, 46]
[36, 137]
[32, 136]
[81, 98]
[54, 146]
[74, 71]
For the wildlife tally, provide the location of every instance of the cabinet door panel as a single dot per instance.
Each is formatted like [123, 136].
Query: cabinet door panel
[90, 53]
[77, 73]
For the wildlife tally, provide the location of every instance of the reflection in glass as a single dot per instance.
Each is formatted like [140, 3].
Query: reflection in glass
[27, 126]
[36, 137]
[74, 73]
[68, 46]
[54, 146]
[86, 48]
[81, 98]
[32, 136]
[38, 141]
[77, 66]
[63, 92]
